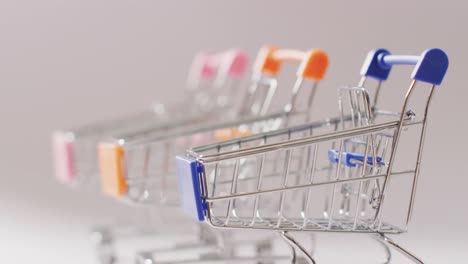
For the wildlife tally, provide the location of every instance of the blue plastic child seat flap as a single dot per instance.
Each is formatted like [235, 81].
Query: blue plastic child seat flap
[352, 159]
[188, 170]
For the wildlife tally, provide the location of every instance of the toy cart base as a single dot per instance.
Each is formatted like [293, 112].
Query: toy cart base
[315, 225]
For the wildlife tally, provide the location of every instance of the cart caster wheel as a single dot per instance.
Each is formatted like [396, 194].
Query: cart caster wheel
[103, 241]
[144, 258]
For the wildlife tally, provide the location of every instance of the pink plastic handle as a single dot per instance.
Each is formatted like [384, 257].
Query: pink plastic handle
[234, 62]
[63, 154]
[196, 140]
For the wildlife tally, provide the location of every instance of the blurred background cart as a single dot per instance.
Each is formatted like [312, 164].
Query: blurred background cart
[139, 168]
[211, 75]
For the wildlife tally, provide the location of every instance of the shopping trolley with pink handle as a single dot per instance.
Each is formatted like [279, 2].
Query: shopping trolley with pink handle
[211, 75]
[358, 175]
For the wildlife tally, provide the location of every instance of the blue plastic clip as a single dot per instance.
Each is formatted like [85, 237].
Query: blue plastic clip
[352, 159]
[188, 171]
[430, 67]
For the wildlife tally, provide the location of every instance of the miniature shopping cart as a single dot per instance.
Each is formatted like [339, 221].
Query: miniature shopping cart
[358, 174]
[210, 76]
[139, 167]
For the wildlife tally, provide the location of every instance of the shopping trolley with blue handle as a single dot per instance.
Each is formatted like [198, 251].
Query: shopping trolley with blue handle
[359, 177]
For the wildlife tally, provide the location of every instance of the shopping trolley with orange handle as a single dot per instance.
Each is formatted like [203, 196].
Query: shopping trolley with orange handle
[139, 167]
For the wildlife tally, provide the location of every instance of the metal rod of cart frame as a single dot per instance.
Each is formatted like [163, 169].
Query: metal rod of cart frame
[337, 175]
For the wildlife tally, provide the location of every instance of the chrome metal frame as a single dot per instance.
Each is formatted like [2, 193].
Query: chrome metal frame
[233, 155]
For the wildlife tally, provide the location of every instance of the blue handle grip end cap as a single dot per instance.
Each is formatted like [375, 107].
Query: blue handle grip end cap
[430, 67]
[188, 172]
[373, 68]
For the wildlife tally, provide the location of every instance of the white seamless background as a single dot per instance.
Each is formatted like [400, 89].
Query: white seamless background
[64, 63]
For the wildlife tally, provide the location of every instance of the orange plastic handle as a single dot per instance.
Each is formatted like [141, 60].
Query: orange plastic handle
[113, 180]
[314, 63]
[230, 133]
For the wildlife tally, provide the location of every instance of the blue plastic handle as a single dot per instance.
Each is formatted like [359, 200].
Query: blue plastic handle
[188, 171]
[430, 67]
[389, 60]
[349, 159]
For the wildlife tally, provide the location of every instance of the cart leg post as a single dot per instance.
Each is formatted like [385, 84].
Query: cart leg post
[388, 252]
[104, 243]
[313, 240]
[264, 248]
[399, 248]
[295, 245]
